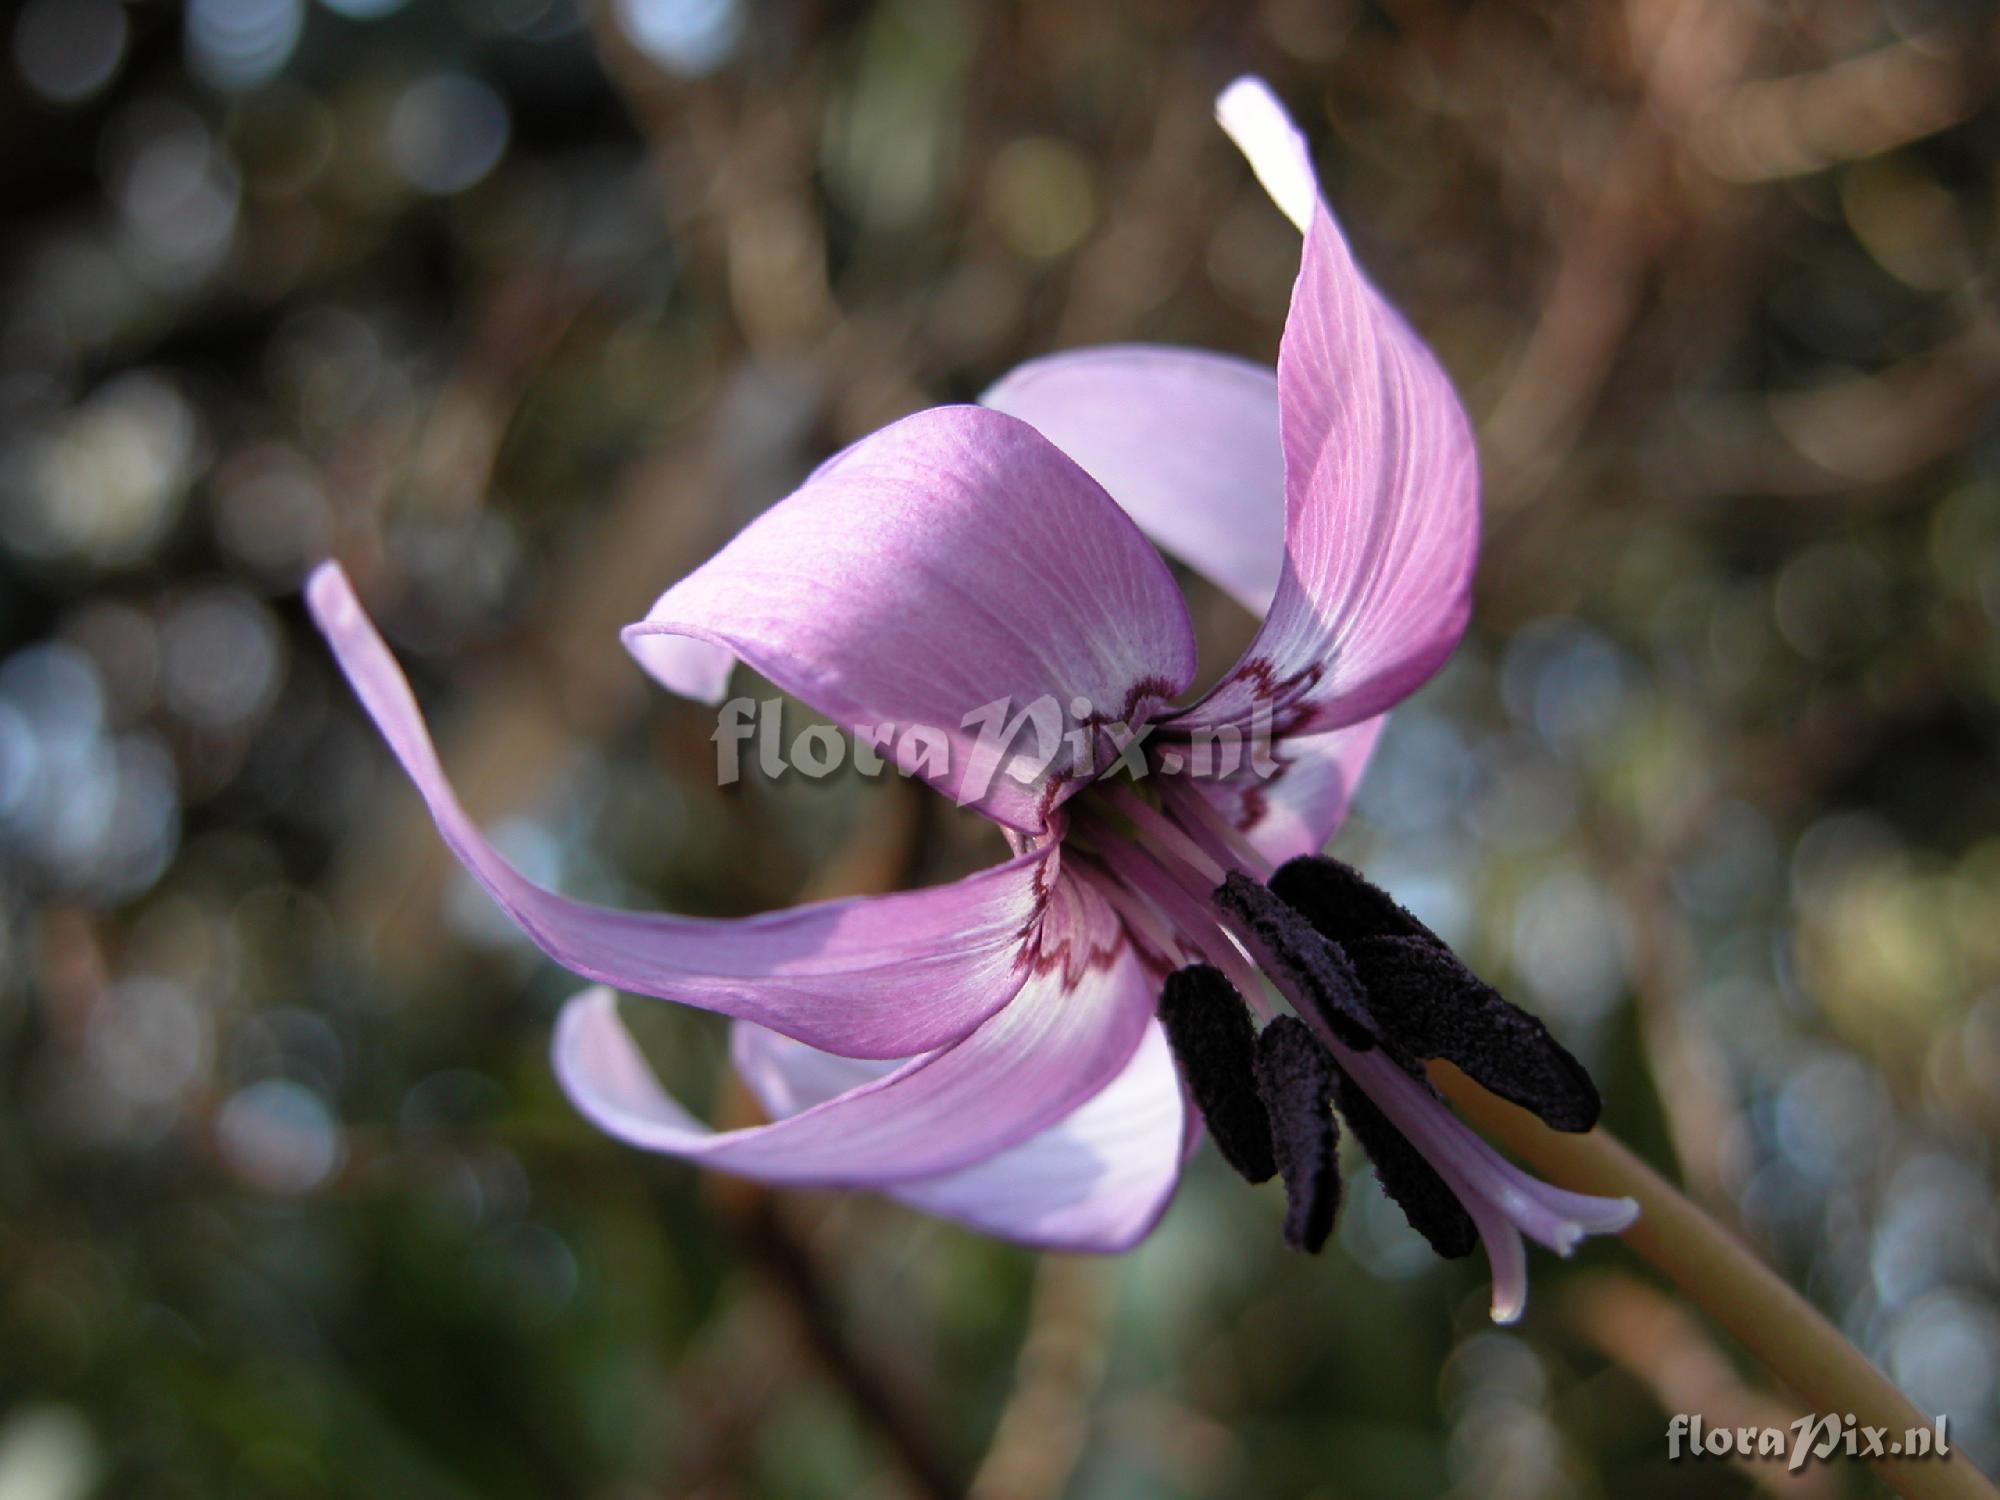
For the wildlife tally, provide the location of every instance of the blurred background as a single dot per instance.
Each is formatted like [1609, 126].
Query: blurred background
[521, 307]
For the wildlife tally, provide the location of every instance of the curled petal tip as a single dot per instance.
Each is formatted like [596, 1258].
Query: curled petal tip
[1507, 1310]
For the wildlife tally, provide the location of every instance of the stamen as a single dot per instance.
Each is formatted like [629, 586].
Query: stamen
[1433, 1205]
[1216, 1047]
[1433, 1006]
[1375, 991]
[1343, 904]
[1309, 971]
[1429, 1003]
[1295, 1078]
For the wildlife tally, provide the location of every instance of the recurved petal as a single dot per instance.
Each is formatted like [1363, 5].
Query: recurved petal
[1184, 440]
[950, 574]
[1097, 1180]
[885, 976]
[1041, 1057]
[1381, 476]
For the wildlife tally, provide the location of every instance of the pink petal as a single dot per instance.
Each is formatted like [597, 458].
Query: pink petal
[1100, 1181]
[952, 561]
[1096, 1181]
[886, 976]
[1186, 441]
[1052, 1048]
[1298, 810]
[1381, 477]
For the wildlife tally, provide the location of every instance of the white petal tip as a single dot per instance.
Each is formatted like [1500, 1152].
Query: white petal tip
[1265, 134]
[329, 595]
[1249, 100]
[1507, 1311]
[682, 664]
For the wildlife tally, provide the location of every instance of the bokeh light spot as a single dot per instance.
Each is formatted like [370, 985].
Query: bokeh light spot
[447, 132]
[685, 36]
[236, 45]
[279, 1137]
[68, 50]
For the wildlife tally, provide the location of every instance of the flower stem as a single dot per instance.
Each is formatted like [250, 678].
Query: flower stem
[1720, 1274]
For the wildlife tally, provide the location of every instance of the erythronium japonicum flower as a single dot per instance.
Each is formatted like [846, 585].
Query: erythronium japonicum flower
[1018, 1050]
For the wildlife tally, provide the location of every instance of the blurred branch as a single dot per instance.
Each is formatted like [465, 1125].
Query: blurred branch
[877, 856]
[518, 325]
[1043, 1427]
[1859, 106]
[1649, 1336]
[1689, 50]
[789, 1268]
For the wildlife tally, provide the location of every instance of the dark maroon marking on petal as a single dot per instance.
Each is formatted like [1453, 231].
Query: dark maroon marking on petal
[1295, 1079]
[1410, 1181]
[1319, 973]
[1287, 714]
[1343, 904]
[1051, 797]
[1215, 1045]
[1434, 1006]
[1055, 788]
[1158, 689]
[1161, 963]
[1041, 957]
[1261, 673]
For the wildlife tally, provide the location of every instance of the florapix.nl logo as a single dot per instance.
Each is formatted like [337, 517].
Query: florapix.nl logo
[1029, 744]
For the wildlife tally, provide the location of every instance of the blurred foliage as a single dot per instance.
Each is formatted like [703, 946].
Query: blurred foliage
[522, 309]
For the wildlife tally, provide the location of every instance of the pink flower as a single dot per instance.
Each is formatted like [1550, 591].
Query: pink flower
[998, 1050]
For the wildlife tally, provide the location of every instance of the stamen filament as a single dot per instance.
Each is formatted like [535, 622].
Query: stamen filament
[1205, 822]
[1158, 830]
[1190, 917]
[1135, 910]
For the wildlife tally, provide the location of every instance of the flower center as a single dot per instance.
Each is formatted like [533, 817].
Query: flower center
[1373, 995]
